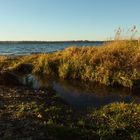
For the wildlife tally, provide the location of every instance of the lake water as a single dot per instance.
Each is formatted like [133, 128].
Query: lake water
[31, 48]
[82, 95]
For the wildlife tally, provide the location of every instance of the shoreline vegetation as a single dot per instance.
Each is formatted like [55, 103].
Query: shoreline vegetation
[112, 64]
[32, 114]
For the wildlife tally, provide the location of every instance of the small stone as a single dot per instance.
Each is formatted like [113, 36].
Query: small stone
[39, 116]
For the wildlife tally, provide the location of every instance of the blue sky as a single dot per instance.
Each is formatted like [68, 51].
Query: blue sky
[66, 19]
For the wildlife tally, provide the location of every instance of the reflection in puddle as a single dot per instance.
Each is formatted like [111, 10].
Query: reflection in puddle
[82, 95]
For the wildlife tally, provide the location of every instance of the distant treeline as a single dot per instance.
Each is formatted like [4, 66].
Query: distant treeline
[42, 42]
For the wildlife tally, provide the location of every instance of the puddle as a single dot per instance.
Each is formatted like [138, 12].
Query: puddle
[82, 95]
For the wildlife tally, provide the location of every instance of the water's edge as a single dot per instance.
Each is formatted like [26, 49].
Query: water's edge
[82, 94]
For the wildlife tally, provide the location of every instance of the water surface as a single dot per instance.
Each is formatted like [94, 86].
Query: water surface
[42, 47]
[81, 94]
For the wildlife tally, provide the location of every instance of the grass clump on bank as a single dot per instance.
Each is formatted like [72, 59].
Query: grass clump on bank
[118, 120]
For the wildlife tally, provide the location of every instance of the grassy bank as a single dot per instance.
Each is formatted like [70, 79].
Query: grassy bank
[116, 63]
[33, 114]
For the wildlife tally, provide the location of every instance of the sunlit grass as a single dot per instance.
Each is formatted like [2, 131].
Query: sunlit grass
[116, 63]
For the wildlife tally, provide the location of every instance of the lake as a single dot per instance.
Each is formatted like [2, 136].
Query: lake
[26, 48]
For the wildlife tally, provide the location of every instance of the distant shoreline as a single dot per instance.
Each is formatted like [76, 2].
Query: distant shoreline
[41, 42]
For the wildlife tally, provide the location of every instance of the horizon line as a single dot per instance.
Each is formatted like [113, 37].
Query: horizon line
[53, 40]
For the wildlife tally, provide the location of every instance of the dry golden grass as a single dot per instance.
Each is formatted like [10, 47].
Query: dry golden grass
[2, 58]
[115, 63]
